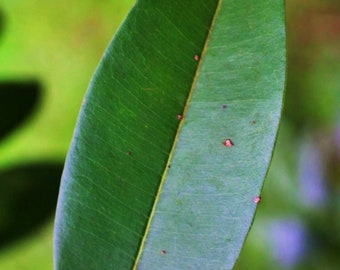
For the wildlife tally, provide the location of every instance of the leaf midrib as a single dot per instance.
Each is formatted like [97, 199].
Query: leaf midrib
[186, 107]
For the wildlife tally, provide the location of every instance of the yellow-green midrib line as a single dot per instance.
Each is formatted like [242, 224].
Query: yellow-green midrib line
[193, 85]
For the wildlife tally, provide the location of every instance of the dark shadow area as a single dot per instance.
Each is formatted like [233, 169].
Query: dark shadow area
[28, 197]
[17, 102]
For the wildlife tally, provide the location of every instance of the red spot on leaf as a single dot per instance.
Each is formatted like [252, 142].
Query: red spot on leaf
[197, 57]
[257, 199]
[163, 252]
[228, 143]
[179, 116]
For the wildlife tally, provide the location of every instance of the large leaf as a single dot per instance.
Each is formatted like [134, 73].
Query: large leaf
[144, 189]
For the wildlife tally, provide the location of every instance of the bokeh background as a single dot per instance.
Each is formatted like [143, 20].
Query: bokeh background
[48, 53]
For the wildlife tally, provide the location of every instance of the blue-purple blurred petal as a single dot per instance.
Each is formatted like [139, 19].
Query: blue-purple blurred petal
[289, 241]
[312, 179]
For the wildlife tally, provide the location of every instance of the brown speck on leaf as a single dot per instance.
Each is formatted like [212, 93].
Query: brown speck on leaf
[128, 153]
[163, 252]
[254, 122]
[224, 106]
[228, 143]
[179, 116]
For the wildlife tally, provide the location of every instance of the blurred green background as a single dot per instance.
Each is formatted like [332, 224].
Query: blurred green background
[48, 53]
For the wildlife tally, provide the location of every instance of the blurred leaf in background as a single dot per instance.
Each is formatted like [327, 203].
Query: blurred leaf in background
[15, 110]
[48, 52]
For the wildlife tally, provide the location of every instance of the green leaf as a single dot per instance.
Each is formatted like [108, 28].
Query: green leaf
[144, 189]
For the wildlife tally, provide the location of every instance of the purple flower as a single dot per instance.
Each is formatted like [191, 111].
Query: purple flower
[289, 241]
[313, 191]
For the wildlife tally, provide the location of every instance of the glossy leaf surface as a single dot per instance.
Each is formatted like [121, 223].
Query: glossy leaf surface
[174, 139]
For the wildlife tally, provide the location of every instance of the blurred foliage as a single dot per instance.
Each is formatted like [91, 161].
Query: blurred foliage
[313, 96]
[59, 48]
[50, 51]
[28, 91]
[28, 195]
